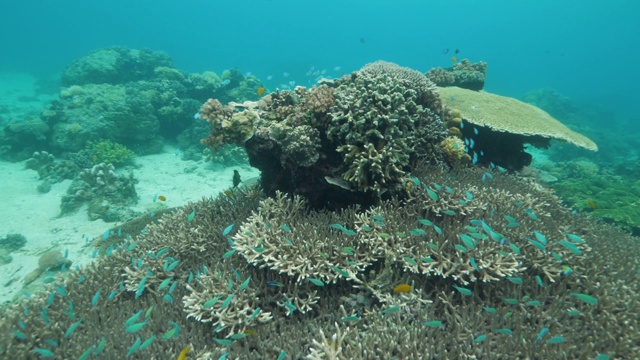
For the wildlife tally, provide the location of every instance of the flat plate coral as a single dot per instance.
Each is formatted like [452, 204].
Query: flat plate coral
[505, 114]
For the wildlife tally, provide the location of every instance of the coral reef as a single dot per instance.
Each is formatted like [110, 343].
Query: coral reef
[49, 170]
[107, 193]
[234, 127]
[454, 149]
[350, 141]
[551, 101]
[132, 97]
[500, 126]
[21, 138]
[96, 112]
[8, 244]
[109, 152]
[114, 65]
[586, 187]
[272, 277]
[463, 75]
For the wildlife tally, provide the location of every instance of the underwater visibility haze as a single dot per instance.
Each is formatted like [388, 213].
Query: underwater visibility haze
[352, 179]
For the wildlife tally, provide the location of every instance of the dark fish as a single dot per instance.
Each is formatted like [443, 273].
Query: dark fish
[236, 178]
[362, 40]
[445, 51]
[457, 51]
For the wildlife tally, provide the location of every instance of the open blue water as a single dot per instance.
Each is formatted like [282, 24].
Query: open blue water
[585, 49]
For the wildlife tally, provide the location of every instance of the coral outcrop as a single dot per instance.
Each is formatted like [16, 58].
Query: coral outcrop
[49, 170]
[352, 140]
[464, 74]
[114, 65]
[20, 138]
[107, 193]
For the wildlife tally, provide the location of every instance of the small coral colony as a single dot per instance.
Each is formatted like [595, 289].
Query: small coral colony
[390, 221]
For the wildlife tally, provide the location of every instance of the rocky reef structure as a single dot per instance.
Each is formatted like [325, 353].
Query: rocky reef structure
[10, 243]
[114, 65]
[551, 101]
[136, 98]
[107, 193]
[461, 267]
[20, 138]
[464, 75]
[348, 141]
[49, 170]
[500, 126]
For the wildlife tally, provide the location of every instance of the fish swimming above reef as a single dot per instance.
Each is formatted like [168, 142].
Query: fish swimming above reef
[236, 178]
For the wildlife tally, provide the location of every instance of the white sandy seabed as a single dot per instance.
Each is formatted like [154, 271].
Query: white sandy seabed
[25, 211]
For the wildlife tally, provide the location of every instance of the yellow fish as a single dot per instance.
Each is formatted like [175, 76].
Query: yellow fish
[408, 187]
[454, 59]
[260, 91]
[249, 332]
[94, 158]
[162, 198]
[402, 288]
[183, 353]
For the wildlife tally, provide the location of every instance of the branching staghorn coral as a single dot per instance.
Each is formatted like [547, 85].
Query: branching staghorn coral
[277, 238]
[329, 349]
[224, 303]
[500, 318]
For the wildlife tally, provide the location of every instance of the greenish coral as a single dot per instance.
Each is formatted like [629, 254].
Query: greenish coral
[109, 152]
[605, 196]
[370, 168]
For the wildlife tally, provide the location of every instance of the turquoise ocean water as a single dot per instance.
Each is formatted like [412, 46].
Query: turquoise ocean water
[584, 49]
